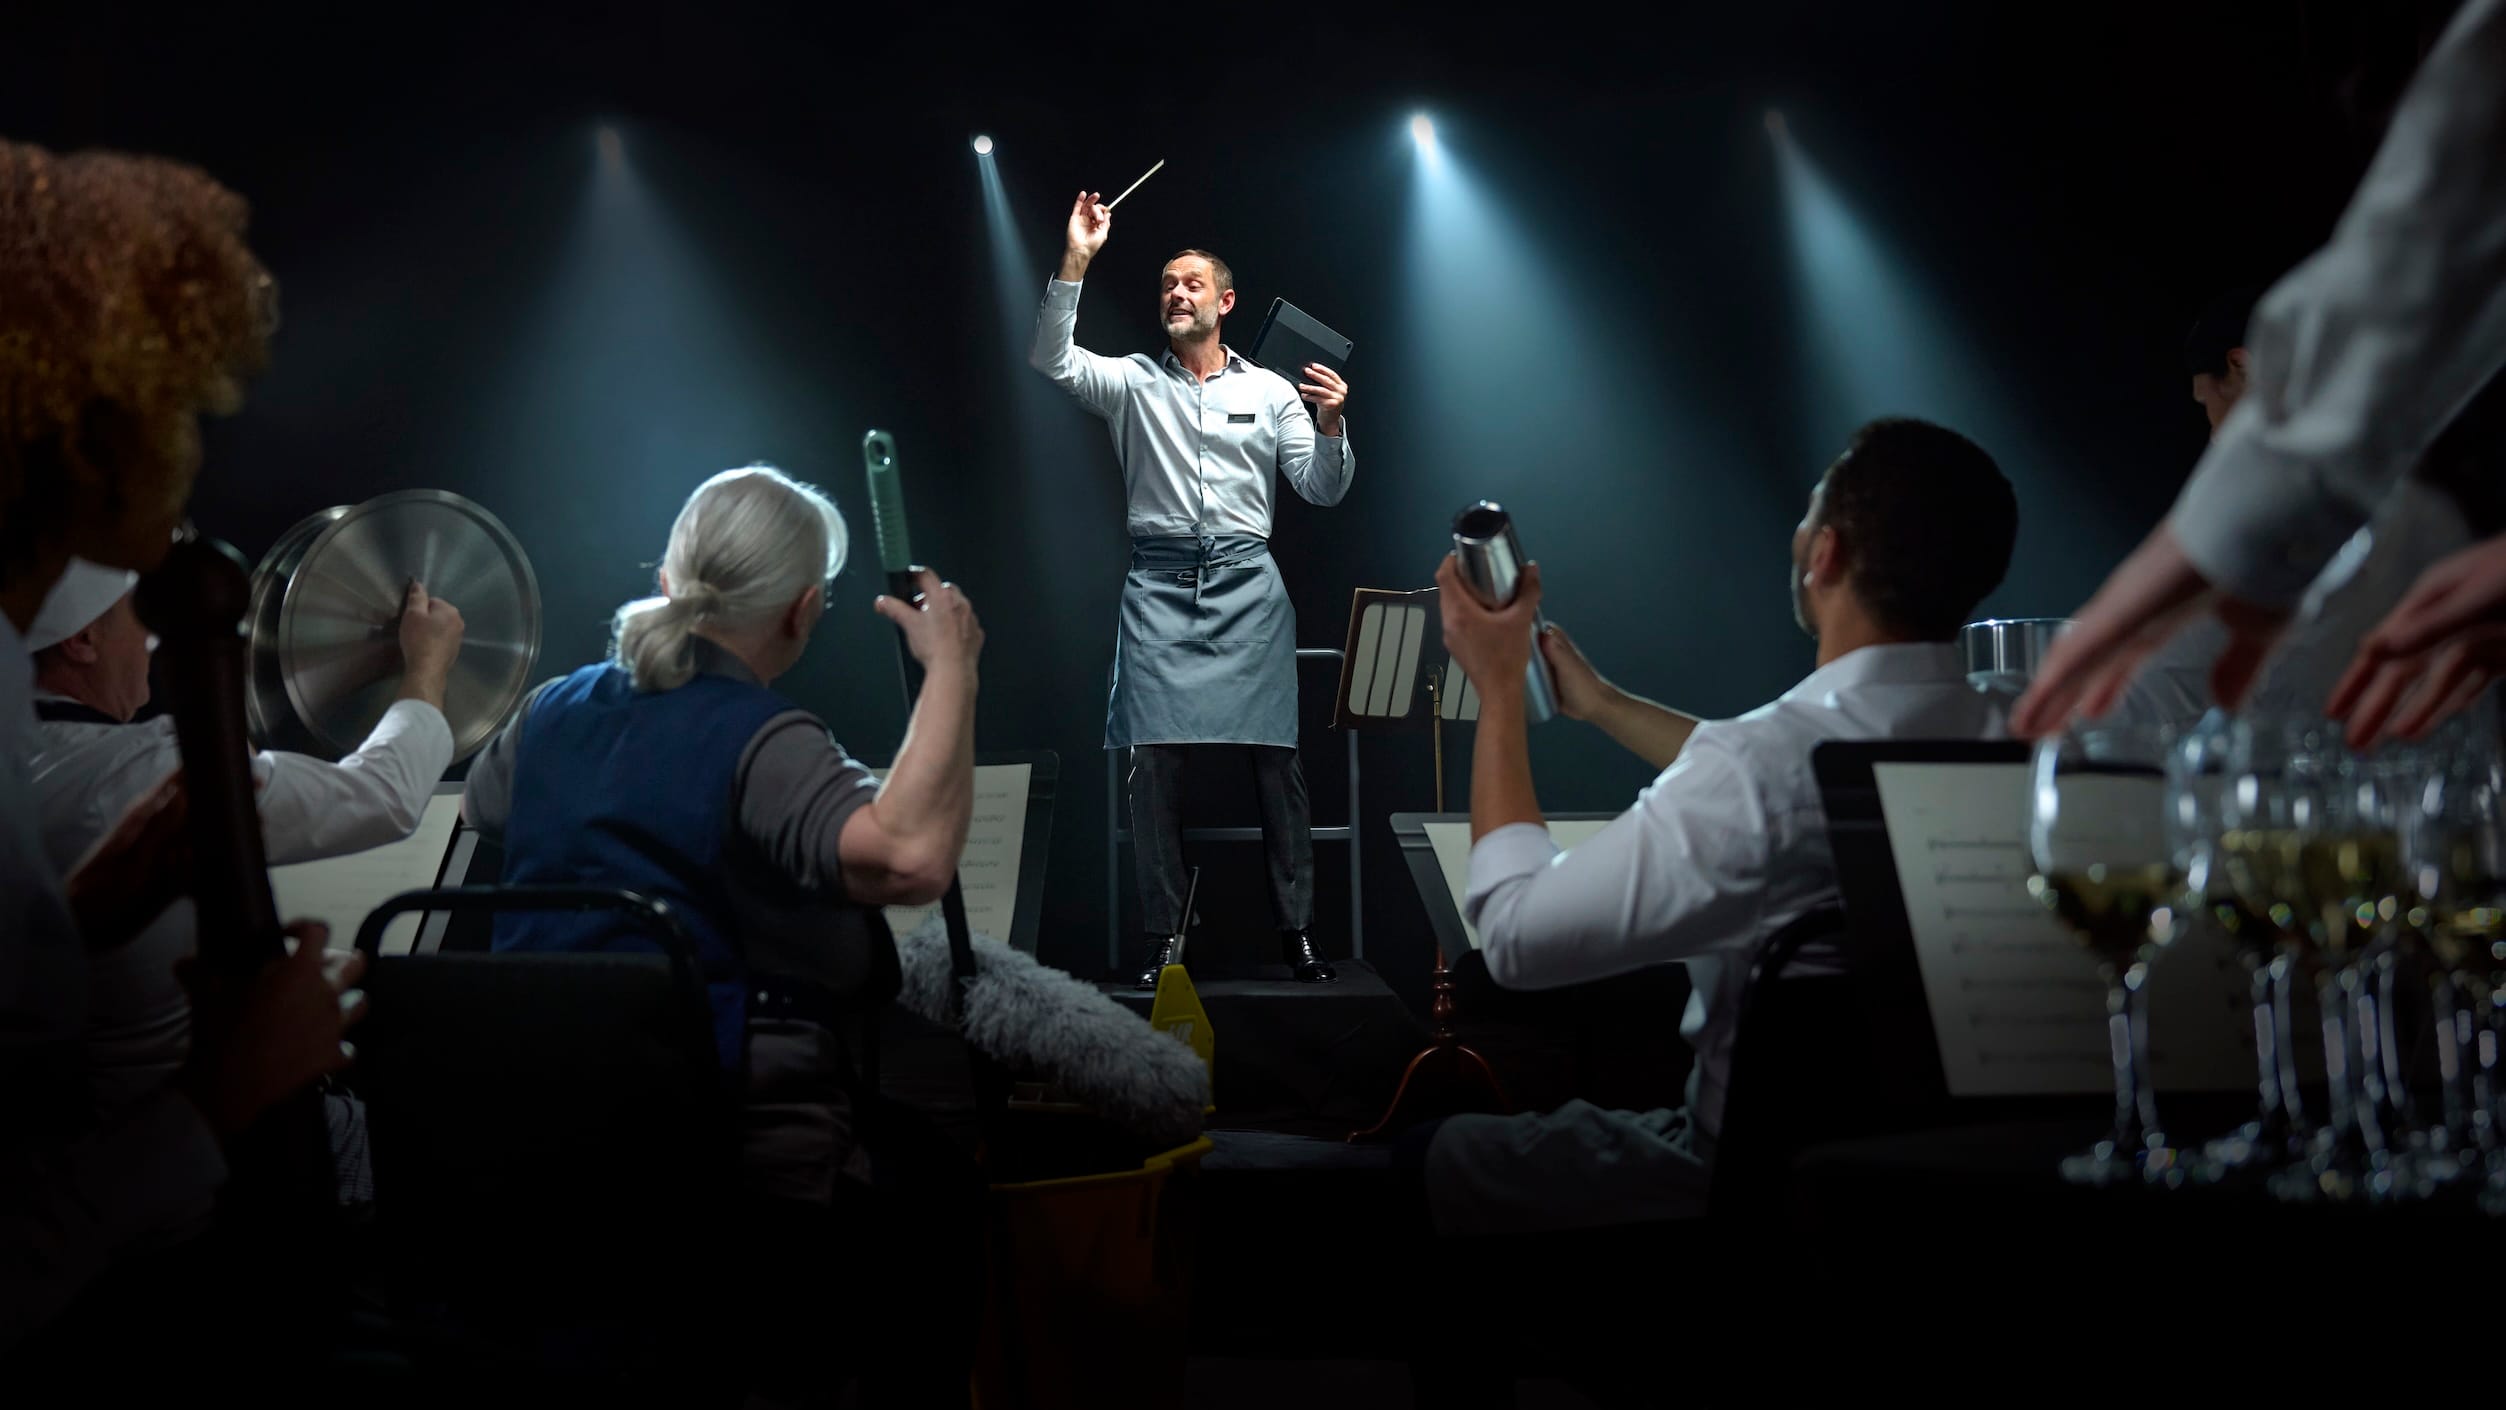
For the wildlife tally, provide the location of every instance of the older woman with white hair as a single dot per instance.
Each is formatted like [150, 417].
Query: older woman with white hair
[673, 770]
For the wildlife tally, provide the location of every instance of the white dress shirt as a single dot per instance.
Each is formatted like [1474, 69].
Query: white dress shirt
[1197, 456]
[69, 1204]
[2363, 353]
[84, 775]
[1724, 849]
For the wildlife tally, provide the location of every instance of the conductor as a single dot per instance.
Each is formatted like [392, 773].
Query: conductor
[1205, 650]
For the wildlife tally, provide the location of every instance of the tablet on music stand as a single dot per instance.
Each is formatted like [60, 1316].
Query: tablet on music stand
[1290, 338]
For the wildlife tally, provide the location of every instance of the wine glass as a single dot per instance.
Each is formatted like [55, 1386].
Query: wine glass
[2454, 845]
[2312, 841]
[2197, 781]
[2277, 800]
[2356, 876]
[2097, 831]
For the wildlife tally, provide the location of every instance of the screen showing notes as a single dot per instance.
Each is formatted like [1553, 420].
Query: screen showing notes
[988, 872]
[2017, 1003]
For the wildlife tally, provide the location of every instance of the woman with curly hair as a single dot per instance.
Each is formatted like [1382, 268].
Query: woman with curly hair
[129, 306]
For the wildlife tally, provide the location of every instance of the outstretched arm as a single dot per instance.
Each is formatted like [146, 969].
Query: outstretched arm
[1094, 382]
[1650, 730]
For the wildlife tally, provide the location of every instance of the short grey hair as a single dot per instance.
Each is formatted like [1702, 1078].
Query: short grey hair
[745, 544]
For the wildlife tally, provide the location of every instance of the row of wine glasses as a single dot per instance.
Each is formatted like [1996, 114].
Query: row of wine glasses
[2355, 872]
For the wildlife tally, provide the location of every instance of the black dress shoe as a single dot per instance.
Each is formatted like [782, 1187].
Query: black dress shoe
[1161, 953]
[1305, 962]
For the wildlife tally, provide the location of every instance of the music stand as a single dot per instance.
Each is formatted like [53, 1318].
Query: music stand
[1380, 685]
[1393, 653]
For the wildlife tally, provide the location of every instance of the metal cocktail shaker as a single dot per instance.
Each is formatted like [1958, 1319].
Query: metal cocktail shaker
[1491, 560]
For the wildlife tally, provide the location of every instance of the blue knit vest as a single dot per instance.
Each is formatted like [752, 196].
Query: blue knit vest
[614, 786]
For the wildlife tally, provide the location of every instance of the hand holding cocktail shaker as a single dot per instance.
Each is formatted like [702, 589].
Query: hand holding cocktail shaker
[1491, 560]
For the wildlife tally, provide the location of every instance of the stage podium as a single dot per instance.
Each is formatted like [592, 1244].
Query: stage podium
[1396, 678]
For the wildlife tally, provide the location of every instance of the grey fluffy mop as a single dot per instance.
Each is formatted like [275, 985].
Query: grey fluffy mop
[1036, 1018]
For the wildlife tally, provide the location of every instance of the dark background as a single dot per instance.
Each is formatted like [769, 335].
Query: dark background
[1611, 332]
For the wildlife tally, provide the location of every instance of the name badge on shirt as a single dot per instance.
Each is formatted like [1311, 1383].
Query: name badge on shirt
[1239, 418]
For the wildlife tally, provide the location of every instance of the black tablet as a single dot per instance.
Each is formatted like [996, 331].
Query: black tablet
[1291, 338]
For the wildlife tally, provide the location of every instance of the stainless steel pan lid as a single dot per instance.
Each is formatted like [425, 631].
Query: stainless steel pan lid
[334, 644]
[268, 713]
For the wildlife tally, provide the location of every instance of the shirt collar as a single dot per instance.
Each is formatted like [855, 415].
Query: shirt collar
[1235, 360]
[1897, 663]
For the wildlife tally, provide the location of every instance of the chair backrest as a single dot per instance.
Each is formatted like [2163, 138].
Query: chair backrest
[1814, 1058]
[554, 1139]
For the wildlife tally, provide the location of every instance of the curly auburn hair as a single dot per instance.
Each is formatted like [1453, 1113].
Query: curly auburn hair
[129, 305]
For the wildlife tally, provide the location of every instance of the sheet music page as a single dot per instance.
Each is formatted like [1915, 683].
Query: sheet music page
[1452, 841]
[2016, 1001]
[342, 891]
[988, 872]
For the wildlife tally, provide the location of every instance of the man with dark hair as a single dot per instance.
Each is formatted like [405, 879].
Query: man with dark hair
[1905, 534]
[1205, 655]
[1930, 521]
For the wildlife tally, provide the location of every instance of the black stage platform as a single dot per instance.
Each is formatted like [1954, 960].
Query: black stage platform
[1313, 1059]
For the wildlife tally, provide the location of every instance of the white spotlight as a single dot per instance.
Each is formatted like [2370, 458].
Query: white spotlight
[983, 145]
[612, 146]
[1775, 124]
[1422, 130]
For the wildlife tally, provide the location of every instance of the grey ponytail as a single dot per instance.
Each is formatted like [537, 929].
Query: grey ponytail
[743, 547]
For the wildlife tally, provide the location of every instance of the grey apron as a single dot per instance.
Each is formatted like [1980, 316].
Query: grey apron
[1206, 652]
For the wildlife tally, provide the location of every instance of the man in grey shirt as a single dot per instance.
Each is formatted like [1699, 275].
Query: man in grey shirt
[1206, 651]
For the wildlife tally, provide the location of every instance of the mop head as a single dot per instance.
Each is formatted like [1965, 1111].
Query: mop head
[1038, 1019]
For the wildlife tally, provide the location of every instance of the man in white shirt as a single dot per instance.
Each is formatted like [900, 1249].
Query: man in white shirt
[89, 763]
[1907, 531]
[2360, 358]
[1205, 655]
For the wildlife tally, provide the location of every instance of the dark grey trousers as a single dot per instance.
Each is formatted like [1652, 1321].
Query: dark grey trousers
[1157, 832]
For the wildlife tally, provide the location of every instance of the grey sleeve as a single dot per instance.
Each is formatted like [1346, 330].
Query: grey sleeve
[487, 795]
[797, 788]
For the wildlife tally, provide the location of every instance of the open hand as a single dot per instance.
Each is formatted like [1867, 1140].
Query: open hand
[2148, 598]
[2433, 654]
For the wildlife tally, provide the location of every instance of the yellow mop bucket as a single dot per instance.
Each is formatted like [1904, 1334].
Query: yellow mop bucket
[1089, 1302]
